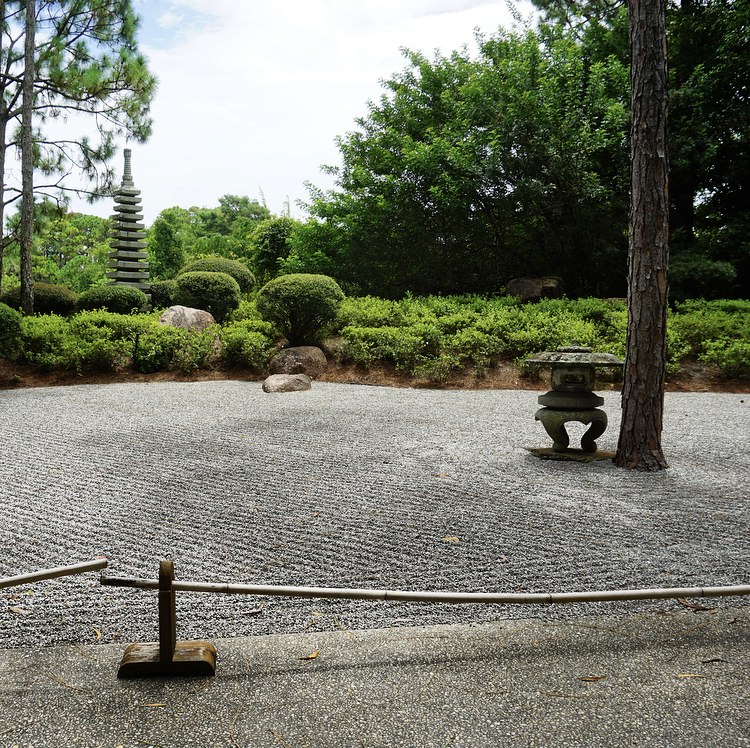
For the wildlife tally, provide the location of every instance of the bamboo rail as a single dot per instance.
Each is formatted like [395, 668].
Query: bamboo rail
[57, 571]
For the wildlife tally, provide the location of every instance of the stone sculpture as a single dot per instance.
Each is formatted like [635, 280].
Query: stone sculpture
[127, 260]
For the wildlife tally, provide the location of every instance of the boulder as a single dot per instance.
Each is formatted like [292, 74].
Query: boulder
[533, 289]
[185, 316]
[287, 383]
[304, 359]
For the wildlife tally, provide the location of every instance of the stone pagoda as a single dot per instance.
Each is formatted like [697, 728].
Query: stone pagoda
[127, 260]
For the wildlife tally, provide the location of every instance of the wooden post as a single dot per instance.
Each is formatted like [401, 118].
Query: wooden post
[168, 657]
[167, 613]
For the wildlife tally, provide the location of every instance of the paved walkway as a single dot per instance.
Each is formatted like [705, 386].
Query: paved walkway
[677, 679]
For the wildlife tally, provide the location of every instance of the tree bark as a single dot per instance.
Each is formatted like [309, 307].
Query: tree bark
[639, 445]
[3, 125]
[27, 163]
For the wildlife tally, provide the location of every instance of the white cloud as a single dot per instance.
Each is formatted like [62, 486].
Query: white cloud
[253, 94]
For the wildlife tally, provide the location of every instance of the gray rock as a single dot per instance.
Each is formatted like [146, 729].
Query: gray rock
[287, 383]
[185, 316]
[303, 359]
[533, 289]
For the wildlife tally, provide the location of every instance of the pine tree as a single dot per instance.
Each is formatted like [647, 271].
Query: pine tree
[88, 77]
[639, 446]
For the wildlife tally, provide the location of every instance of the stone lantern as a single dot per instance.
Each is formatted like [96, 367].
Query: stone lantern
[571, 397]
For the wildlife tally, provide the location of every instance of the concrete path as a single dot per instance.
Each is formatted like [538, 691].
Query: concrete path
[676, 679]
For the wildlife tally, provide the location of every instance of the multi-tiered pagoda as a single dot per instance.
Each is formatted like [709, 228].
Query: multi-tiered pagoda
[127, 261]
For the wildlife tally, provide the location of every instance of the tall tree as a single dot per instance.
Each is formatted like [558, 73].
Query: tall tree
[26, 239]
[166, 245]
[709, 139]
[89, 75]
[639, 445]
[474, 168]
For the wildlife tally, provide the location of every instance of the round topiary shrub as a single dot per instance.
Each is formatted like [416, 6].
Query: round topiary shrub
[10, 330]
[301, 305]
[162, 294]
[214, 264]
[116, 299]
[49, 298]
[217, 293]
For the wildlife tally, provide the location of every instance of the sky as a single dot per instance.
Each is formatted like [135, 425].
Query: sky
[253, 93]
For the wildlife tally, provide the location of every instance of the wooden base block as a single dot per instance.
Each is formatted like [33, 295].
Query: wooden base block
[191, 659]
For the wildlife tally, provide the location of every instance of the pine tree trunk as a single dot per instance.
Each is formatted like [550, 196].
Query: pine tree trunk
[3, 126]
[639, 444]
[27, 163]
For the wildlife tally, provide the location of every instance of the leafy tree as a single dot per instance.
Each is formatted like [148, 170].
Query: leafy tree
[469, 171]
[235, 213]
[166, 245]
[710, 146]
[709, 139]
[272, 242]
[226, 231]
[86, 66]
[78, 245]
[69, 248]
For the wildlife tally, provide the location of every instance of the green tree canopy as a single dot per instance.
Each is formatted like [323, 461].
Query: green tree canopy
[709, 138]
[272, 245]
[473, 169]
[87, 69]
[226, 230]
[70, 249]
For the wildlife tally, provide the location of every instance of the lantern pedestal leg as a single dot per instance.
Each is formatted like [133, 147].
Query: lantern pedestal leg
[554, 421]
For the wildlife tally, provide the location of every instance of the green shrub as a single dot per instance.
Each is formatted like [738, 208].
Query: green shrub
[42, 341]
[244, 345]
[164, 348]
[247, 312]
[50, 342]
[699, 326]
[369, 311]
[470, 346]
[117, 299]
[406, 347]
[732, 357]
[678, 349]
[730, 306]
[163, 293]
[301, 306]
[49, 298]
[10, 331]
[438, 369]
[217, 293]
[236, 269]
[121, 326]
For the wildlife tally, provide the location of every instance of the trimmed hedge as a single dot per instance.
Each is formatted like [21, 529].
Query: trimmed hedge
[214, 264]
[49, 298]
[163, 293]
[301, 305]
[217, 293]
[116, 299]
[247, 344]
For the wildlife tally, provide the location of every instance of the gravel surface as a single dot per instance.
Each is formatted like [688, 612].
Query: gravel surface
[351, 486]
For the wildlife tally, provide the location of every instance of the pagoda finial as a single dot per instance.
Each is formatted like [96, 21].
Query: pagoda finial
[127, 175]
